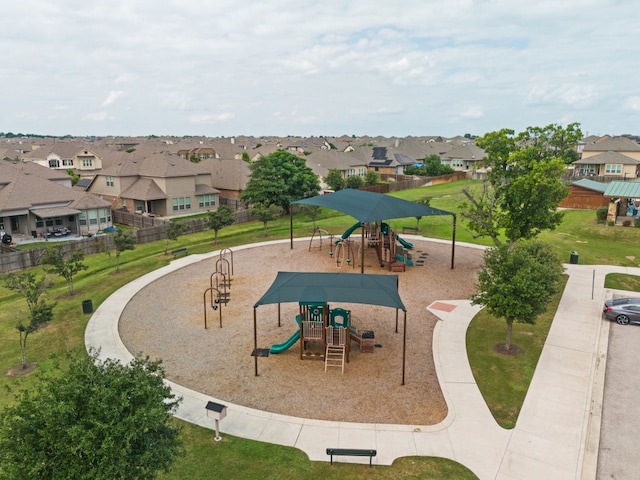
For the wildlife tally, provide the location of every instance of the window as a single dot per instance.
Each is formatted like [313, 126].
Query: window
[93, 217]
[181, 203]
[87, 162]
[82, 219]
[109, 180]
[39, 222]
[206, 200]
[362, 171]
[54, 163]
[613, 169]
[67, 162]
[103, 215]
[351, 172]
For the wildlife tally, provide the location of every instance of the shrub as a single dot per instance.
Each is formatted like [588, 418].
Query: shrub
[611, 223]
[626, 223]
[601, 214]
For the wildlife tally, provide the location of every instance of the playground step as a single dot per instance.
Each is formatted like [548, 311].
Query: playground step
[334, 357]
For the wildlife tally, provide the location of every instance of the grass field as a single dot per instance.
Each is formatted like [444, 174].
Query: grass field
[239, 458]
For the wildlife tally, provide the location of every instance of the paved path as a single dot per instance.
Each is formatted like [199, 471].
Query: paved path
[557, 432]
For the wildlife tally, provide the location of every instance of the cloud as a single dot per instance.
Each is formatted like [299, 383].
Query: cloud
[112, 96]
[482, 63]
[210, 118]
[95, 117]
[632, 104]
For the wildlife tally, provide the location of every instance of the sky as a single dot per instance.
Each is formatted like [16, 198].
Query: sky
[317, 68]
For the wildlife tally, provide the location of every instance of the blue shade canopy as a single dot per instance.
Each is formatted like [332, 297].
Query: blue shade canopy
[371, 207]
[324, 287]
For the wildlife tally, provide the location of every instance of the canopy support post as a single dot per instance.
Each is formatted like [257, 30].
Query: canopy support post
[291, 225]
[404, 345]
[362, 248]
[453, 241]
[255, 340]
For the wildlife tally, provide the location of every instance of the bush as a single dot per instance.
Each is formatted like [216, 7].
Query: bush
[611, 223]
[626, 223]
[601, 214]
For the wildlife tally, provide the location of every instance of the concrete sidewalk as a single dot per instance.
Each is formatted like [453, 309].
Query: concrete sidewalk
[557, 432]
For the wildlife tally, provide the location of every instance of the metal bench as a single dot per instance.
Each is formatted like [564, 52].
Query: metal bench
[352, 452]
[179, 251]
[410, 229]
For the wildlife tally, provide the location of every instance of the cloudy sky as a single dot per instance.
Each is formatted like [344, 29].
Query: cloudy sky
[332, 67]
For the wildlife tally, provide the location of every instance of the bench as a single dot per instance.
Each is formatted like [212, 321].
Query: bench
[352, 452]
[410, 229]
[179, 251]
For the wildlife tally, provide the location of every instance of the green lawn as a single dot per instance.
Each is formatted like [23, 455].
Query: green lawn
[239, 458]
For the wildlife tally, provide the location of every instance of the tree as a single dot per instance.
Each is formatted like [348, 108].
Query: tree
[371, 178]
[265, 213]
[517, 281]
[279, 179]
[335, 180]
[63, 265]
[75, 178]
[222, 217]
[97, 420]
[434, 167]
[312, 211]
[122, 241]
[174, 230]
[40, 311]
[354, 181]
[524, 182]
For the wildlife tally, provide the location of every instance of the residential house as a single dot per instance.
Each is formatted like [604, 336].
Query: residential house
[463, 157]
[162, 185]
[34, 204]
[614, 165]
[385, 162]
[66, 155]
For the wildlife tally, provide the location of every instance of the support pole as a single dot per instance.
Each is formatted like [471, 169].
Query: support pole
[255, 339]
[362, 248]
[291, 225]
[453, 241]
[404, 345]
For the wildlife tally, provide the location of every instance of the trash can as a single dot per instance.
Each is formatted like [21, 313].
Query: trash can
[573, 258]
[87, 306]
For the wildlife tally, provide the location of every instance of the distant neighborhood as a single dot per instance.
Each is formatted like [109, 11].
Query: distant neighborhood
[170, 177]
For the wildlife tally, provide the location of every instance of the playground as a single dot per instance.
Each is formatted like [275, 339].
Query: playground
[165, 320]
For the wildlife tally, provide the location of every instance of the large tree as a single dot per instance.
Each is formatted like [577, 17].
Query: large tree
[97, 420]
[517, 281]
[65, 264]
[279, 179]
[524, 182]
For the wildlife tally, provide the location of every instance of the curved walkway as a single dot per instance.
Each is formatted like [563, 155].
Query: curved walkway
[557, 432]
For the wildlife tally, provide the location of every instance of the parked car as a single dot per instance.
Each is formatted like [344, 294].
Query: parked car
[623, 310]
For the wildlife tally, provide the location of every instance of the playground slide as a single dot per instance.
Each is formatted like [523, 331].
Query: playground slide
[349, 231]
[404, 243]
[281, 347]
[401, 258]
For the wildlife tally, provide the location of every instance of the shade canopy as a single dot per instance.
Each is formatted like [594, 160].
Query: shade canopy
[371, 207]
[322, 287]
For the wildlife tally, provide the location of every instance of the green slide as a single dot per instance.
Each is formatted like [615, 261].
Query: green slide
[281, 347]
[348, 232]
[287, 344]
